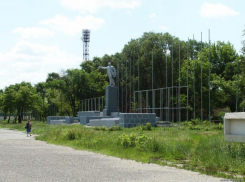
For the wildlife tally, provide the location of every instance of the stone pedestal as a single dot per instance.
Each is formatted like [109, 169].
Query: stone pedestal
[111, 104]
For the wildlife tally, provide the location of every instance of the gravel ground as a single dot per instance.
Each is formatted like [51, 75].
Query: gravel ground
[25, 159]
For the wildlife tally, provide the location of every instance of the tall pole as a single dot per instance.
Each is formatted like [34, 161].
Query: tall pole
[201, 82]
[126, 108]
[237, 92]
[130, 84]
[138, 72]
[187, 113]
[179, 86]
[152, 72]
[152, 82]
[133, 78]
[172, 64]
[122, 86]
[194, 82]
[118, 79]
[166, 80]
[43, 108]
[209, 96]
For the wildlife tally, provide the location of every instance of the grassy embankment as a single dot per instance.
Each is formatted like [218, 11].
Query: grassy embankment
[193, 146]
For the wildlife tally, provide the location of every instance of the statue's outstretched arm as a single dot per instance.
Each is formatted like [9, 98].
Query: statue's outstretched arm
[101, 67]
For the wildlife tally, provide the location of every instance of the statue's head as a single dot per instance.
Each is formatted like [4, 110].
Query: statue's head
[109, 63]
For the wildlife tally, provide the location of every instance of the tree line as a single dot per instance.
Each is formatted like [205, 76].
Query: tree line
[212, 72]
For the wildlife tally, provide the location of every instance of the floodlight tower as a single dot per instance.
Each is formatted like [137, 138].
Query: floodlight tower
[86, 39]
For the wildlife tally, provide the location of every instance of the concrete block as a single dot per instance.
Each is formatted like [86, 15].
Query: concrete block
[234, 127]
[140, 116]
[74, 120]
[107, 122]
[131, 121]
[57, 122]
[56, 118]
[121, 115]
[84, 120]
[115, 114]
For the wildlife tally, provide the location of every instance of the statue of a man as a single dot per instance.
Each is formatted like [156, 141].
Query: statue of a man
[111, 72]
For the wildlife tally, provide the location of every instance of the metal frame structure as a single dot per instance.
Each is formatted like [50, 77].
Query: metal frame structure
[92, 104]
[86, 39]
[159, 103]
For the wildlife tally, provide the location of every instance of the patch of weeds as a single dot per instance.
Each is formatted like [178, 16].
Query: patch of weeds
[100, 128]
[147, 126]
[195, 121]
[185, 123]
[218, 126]
[192, 127]
[126, 140]
[115, 128]
[5, 121]
[132, 140]
[154, 145]
[71, 135]
[141, 142]
[206, 123]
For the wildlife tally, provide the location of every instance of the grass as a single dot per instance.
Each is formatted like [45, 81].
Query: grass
[192, 145]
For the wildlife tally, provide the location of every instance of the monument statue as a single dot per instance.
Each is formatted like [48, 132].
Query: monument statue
[111, 72]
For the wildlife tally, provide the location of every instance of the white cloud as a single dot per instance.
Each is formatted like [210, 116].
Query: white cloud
[31, 62]
[216, 10]
[93, 6]
[152, 15]
[164, 28]
[73, 26]
[33, 32]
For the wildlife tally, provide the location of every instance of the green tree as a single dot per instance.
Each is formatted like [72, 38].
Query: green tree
[8, 101]
[26, 98]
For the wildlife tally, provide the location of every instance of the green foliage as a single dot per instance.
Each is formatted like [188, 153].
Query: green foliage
[147, 126]
[132, 140]
[195, 121]
[102, 128]
[5, 121]
[115, 128]
[124, 140]
[206, 122]
[218, 126]
[112, 128]
[191, 125]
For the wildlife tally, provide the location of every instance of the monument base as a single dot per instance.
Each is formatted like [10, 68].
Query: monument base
[111, 104]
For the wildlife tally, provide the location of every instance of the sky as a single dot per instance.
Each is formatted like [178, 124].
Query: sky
[44, 36]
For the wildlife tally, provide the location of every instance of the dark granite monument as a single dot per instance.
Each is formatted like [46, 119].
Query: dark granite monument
[111, 104]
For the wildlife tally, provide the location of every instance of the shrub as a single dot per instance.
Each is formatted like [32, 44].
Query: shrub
[102, 128]
[147, 126]
[132, 140]
[195, 121]
[124, 140]
[141, 141]
[153, 144]
[185, 123]
[115, 128]
[218, 127]
[191, 127]
[206, 122]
